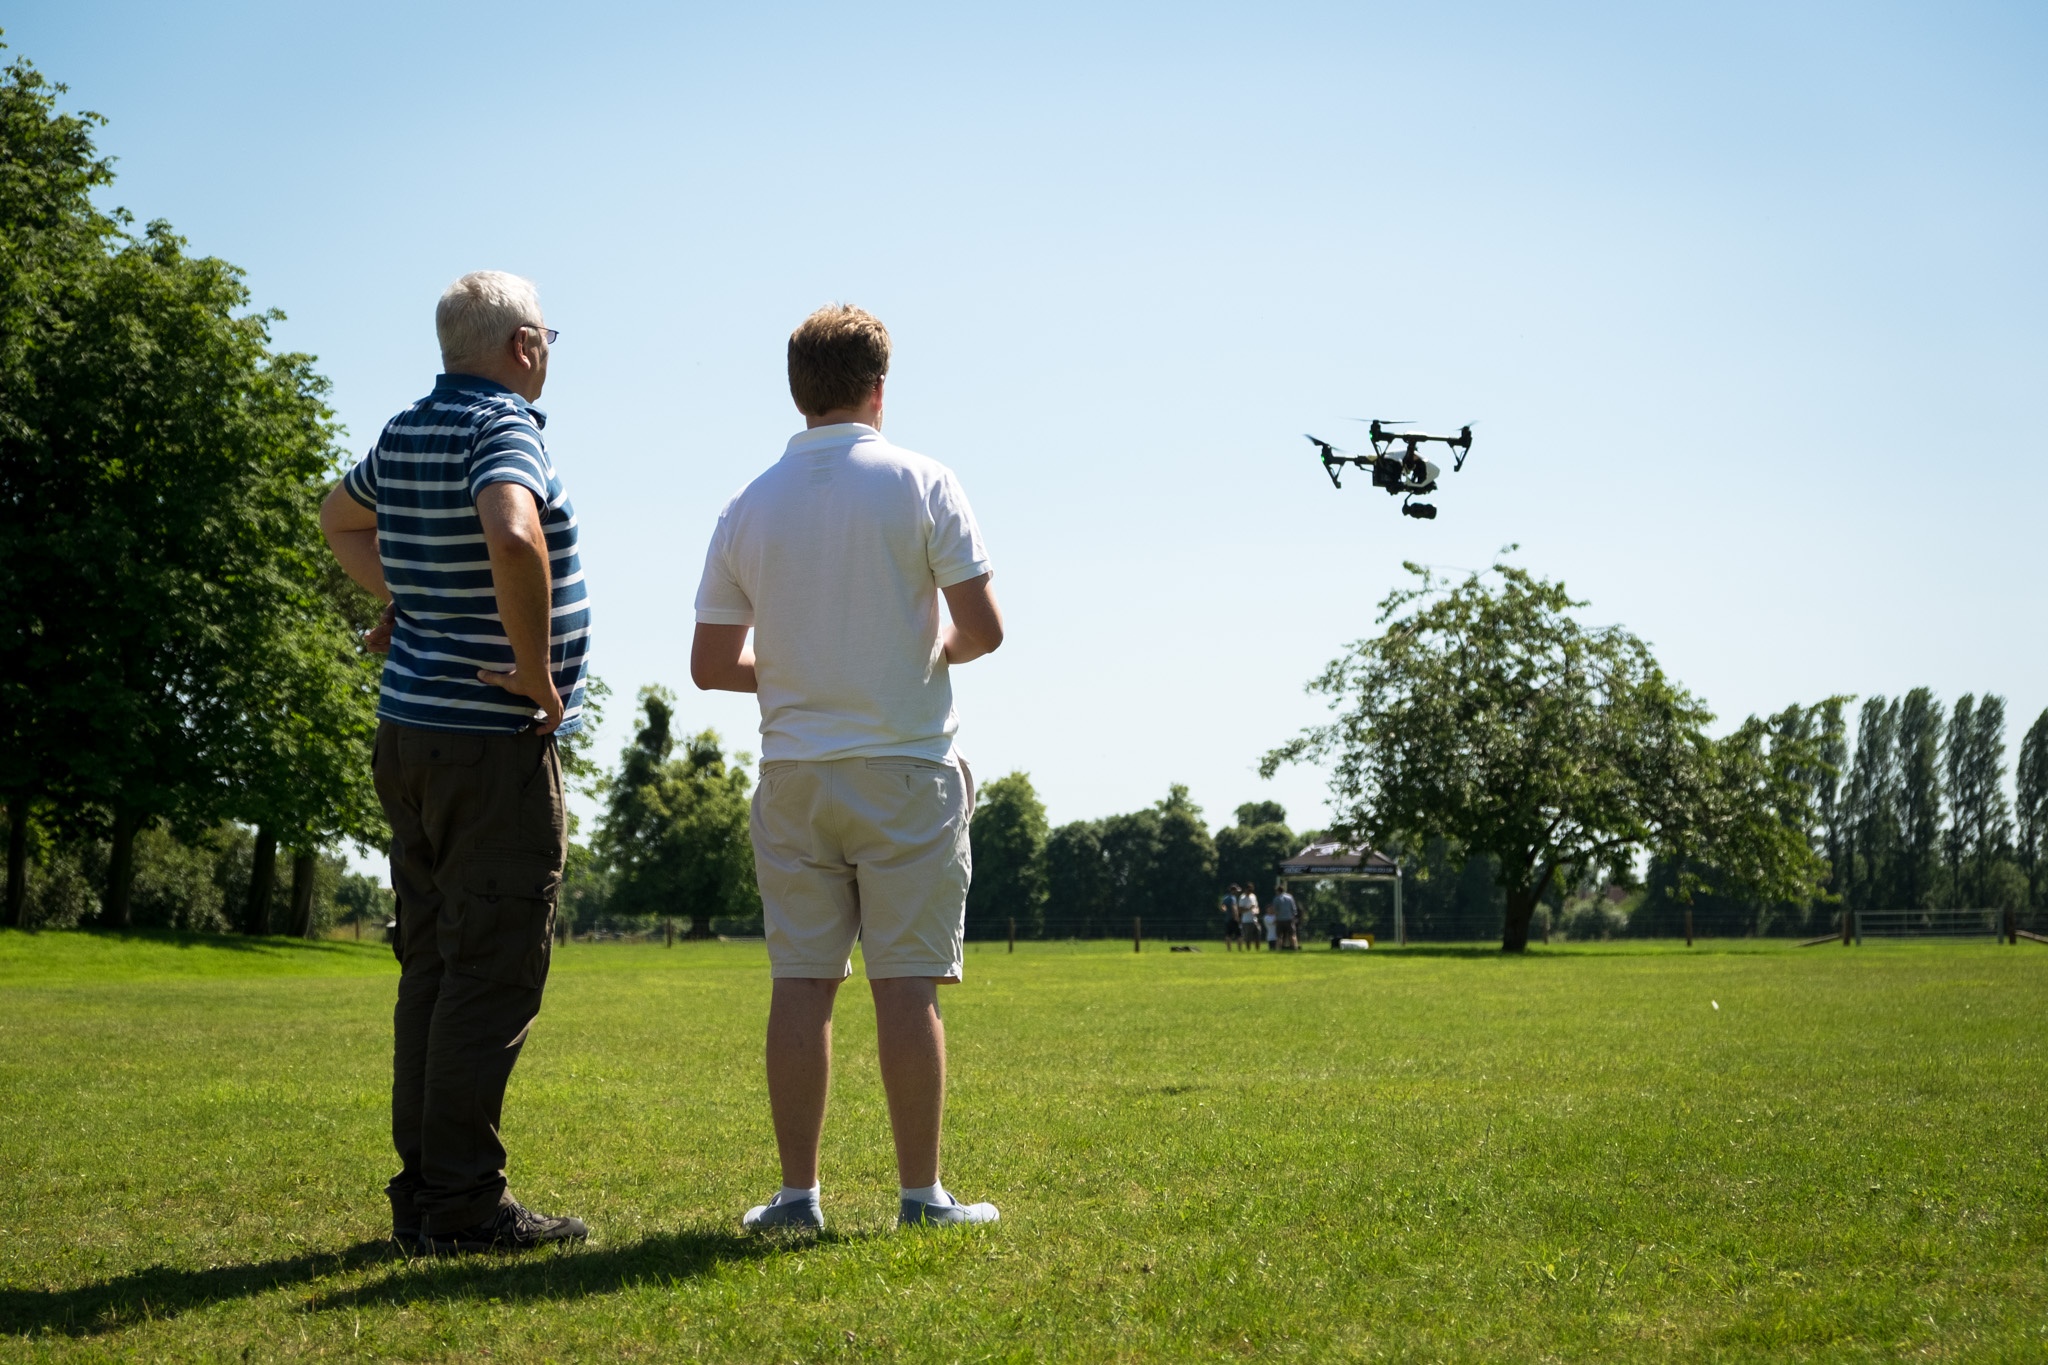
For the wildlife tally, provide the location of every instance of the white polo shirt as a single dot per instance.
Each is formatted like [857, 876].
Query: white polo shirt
[835, 556]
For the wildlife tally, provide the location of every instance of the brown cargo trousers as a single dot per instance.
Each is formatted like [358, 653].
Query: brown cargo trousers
[478, 834]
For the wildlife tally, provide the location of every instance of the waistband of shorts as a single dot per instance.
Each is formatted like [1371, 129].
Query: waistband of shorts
[879, 762]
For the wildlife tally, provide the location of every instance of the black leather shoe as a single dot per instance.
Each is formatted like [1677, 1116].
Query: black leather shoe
[511, 1228]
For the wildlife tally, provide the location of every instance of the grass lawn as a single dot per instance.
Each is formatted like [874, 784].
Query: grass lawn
[1421, 1154]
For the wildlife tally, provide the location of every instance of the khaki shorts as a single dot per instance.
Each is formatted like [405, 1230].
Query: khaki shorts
[867, 847]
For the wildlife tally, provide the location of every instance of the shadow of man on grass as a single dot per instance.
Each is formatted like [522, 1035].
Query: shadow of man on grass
[159, 1292]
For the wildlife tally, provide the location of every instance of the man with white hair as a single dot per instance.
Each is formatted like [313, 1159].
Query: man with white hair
[458, 521]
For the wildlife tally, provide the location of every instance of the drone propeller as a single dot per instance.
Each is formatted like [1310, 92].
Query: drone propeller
[1383, 421]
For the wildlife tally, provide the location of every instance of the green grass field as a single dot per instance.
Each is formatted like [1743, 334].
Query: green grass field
[1431, 1154]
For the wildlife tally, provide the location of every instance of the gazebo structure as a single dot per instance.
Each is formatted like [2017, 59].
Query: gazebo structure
[1331, 862]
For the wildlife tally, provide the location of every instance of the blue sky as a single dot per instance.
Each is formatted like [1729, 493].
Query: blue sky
[1748, 300]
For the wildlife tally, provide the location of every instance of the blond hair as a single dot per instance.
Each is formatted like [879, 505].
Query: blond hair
[836, 357]
[479, 312]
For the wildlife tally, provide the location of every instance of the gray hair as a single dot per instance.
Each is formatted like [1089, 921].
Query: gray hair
[479, 312]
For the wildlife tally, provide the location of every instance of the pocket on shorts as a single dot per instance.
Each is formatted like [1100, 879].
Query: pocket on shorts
[508, 918]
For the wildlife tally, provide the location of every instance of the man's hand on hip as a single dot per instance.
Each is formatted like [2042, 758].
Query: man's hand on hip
[541, 694]
[519, 576]
[377, 639]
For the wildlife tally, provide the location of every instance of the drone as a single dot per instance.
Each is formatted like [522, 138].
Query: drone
[1406, 473]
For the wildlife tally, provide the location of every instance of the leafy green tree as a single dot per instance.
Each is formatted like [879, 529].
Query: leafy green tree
[1249, 853]
[1833, 754]
[674, 834]
[2030, 804]
[1870, 807]
[1008, 835]
[1980, 822]
[50, 234]
[360, 897]
[1182, 893]
[163, 545]
[1130, 855]
[1080, 893]
[176, 650]
[1920, 800]
[1490, 716]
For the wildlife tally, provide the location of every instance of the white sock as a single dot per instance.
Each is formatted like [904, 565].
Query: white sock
[927, 1194]
[790, 1194]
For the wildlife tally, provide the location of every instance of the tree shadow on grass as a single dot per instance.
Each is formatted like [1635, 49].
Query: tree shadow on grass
[159, 1292]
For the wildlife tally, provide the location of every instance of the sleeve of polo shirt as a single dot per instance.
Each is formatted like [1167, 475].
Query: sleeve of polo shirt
[361, 480]
[955, 551]
[508, 450]
[721, 601]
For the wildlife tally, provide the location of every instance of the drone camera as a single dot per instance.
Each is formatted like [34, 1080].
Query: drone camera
[1421, 511]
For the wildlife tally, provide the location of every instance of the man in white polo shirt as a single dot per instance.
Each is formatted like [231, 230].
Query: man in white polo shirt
[836, 558]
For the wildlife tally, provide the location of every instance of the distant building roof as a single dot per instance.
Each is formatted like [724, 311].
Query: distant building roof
[1339, 860]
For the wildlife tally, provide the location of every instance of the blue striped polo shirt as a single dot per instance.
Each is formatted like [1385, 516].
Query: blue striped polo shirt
[422, 479]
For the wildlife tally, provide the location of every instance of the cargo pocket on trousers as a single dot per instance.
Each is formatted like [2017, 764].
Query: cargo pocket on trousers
[508, 918]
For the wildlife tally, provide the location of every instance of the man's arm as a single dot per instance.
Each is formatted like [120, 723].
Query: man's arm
[977, 627]
[720, 660]
[520, 577]
[351, 531]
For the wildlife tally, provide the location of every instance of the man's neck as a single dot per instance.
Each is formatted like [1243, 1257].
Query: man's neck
[868, 416]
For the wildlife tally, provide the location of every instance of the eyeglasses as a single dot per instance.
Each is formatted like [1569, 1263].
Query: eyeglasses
[548, 332]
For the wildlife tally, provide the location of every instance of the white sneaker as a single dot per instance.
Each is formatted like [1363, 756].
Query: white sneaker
[917, 1213]
[780, 1213]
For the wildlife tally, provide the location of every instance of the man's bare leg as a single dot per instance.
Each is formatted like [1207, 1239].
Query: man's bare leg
[800, 1072]
[910, 1039]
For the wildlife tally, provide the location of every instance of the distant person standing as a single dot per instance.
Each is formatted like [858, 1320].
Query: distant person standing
[459, 522]
[1248, 917]
[836, 559]
[1233, 932]
[1284, 912]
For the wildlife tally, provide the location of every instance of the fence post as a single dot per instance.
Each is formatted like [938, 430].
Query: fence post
[1688, 927]
[668, 933]
[2012, 927]
[1137, 934]
[1845, 926]
[1013, 933]
[1859, 926]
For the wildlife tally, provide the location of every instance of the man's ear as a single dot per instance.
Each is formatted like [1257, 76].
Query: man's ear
[521, 357]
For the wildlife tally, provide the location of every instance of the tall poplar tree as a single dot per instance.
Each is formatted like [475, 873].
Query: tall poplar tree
[2030, 805]
[1920, 799]
[1870, 806]
[1980, 823]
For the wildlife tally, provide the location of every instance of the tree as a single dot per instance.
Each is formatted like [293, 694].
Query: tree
[2030, 805]
[1488, 715]
[1080, 893]
[1130, 855]
[50, 234]
[161, 546]
[1249, 853]
[1008, 835]
[1980, 822]
[674, 833]
[1871, 807]
[1827, 790]
[1919, 796]
[1182, 900]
